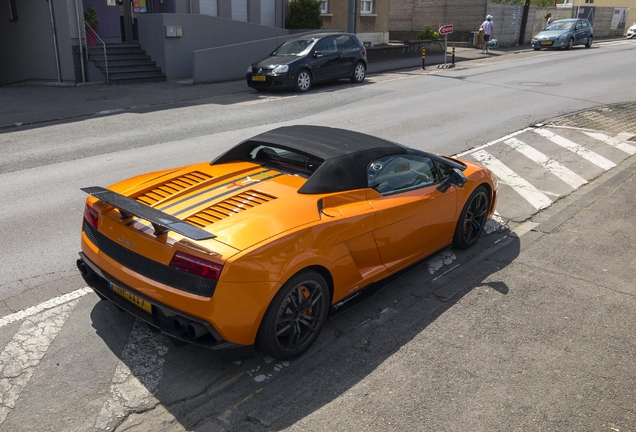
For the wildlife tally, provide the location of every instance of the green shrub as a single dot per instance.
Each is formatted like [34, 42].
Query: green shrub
[304, 14]
[90, 16]
[428, 34]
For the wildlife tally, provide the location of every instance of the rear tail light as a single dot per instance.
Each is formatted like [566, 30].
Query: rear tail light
[91, 215]
[196, 266]
[364, 53]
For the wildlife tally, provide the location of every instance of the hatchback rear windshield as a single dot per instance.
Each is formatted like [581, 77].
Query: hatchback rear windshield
[296, 47]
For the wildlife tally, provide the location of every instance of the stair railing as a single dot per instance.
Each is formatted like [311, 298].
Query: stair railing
[96, 49]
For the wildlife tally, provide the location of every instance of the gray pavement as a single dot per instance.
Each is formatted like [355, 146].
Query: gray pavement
[35, 103]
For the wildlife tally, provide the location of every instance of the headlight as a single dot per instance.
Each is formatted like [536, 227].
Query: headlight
[249, 69]
[281, 69]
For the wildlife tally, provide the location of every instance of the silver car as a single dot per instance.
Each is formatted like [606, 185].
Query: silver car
[631, 32]
[564, 33]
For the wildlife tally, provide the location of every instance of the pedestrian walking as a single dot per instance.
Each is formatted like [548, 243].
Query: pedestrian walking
[488, 28]
[548, 19]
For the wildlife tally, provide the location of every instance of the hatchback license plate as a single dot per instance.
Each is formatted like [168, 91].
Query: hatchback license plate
[258, 78]
[546, 43]
[131, 297]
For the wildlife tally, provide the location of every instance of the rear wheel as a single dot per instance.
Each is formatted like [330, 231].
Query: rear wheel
[570, 44]
[472, 219]
[589, 42]
[295, 317]
[303, 81]
[359, 72]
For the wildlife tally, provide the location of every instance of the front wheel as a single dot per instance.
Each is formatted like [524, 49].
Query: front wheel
[536, 49]
[589, 42]
[472, 219]
[359, 72]
[303, 81]
[570, 44]
[295, 317]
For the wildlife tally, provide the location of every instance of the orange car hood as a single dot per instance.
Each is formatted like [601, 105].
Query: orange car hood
[241, 203]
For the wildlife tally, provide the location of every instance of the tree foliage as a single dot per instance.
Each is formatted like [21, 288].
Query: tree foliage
[304, 14]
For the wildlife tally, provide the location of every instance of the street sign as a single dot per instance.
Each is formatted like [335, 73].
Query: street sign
[446, 29]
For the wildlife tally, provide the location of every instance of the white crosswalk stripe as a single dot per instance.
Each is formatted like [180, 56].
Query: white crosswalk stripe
[512, 179]
[589, 155]
[565, 174]
[627, 148]
[22, 355]
[136, 377]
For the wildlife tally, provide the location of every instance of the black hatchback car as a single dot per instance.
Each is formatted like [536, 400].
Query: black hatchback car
[300, 63]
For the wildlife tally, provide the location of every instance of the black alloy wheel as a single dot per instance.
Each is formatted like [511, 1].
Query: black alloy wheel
[570, 44]
[359, 72]
[295, 317]
[472, 219]
[303, 81]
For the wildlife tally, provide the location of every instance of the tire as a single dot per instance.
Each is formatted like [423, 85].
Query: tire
[359, 72]
[303, 81]
[472, 219]
[589, 41]
[295, 316]
[536, 49]
[570, 44]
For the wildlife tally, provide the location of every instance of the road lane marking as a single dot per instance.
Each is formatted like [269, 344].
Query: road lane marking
[136, 376]
[537, 199]
[578, 149]
[22, 355]
[551, 165]
[627, 148]
[51, 303]
[488, 144]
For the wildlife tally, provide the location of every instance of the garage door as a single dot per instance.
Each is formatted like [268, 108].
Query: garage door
[208, 7]
[268, 13]
[239, 10]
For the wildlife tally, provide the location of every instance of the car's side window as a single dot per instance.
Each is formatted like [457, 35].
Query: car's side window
[327, 45]
[345, 43]
[399, 173]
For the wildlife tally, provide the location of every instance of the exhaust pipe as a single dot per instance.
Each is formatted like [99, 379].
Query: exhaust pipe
[86, 271]
[180, 324]
[196, 330]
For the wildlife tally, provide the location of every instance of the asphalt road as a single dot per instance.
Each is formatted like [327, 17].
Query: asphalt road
[530, 330]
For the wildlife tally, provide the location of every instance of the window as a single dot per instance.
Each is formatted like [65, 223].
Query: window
[366, 6]
[589, 1]
[13, 12]
[284, 159]
[327, 45]
[345, 43]
[324, 6]
[400, 173]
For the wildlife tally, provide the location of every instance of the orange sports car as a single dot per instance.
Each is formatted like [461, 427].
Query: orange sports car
[257, 247]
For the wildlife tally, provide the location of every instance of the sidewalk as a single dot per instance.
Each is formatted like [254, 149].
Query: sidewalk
[34, 103]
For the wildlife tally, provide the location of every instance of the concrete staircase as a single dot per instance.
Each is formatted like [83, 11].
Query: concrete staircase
[128, 64]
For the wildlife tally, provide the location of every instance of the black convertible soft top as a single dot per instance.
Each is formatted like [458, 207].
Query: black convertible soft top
[345, 154]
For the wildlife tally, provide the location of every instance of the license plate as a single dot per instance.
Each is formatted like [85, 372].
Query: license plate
[258, 78]
[131, 297]
[546, 43]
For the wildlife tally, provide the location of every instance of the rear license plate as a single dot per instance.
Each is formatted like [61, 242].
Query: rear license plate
[546, 43]
[258, 78]
[131, 297]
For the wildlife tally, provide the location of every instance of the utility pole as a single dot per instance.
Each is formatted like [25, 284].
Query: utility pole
[524, 20]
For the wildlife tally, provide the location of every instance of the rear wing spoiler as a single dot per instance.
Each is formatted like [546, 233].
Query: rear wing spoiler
[161, 222]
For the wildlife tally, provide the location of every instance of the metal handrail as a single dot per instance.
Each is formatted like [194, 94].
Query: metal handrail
[96, 50]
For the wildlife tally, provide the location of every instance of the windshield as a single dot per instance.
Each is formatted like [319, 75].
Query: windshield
[296, 47]
[561, 25]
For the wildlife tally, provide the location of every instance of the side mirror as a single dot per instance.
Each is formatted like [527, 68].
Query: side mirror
[456, 178]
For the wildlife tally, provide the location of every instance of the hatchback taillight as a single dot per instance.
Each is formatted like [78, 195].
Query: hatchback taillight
[91, 215]
[197, 266]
